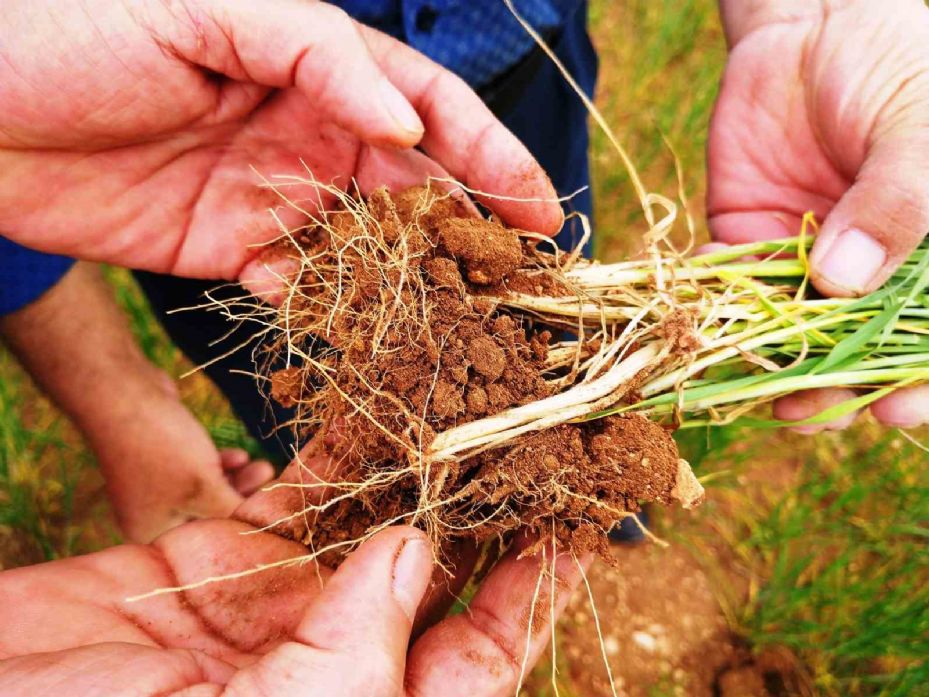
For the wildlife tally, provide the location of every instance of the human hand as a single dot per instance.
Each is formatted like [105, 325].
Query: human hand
[161, 466]
[132, 138]
[285, 630]
[824, 107]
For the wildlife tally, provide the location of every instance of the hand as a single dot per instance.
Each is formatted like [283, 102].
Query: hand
[131, 140]
[284, 630]
[161, 466]
[278, 632]
[824, 107]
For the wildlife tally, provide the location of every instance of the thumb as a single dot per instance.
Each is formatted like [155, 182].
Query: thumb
[879, 221]
[353, 638]
[314, 47]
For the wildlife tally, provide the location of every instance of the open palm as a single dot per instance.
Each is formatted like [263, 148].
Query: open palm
[134, 139]
[294, 629]
[824, 107]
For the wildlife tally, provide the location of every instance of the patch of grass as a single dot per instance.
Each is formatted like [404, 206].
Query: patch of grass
[848, 553]
[43, 505]
[660, 69]
[818, 550]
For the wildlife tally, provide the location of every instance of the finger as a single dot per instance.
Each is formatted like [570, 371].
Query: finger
[803, 405]
[880, 220]
[482, 651]
[304, 482]
[313, 46]
[739, 227]
[217, 499]
[402, 169]
[252, 477]
[233, 458]
[353, 638]
[467, 139]
[269, 276]
[906, 408]
[447, 584]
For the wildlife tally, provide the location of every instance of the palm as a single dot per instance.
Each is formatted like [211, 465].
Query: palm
[192, 183]
[214, 629]
[147, 153]
[824, 108]
[74, 621]
[768, 166]
[802, 107]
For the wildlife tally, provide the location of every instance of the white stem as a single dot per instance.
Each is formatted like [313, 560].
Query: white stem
[544, 413]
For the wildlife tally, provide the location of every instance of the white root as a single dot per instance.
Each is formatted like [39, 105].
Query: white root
[576, 402]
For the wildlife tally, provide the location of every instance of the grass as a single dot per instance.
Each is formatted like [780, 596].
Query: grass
[847, 588]
[819, 550]
[49, 490]
[820, 546]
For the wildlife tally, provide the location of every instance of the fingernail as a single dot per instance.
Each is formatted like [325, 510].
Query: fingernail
[853, 260]
[268, 279]
[400, 108]
[412, 573]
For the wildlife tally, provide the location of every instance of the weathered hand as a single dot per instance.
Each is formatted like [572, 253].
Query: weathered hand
[128, 129]
[824, 107]
[290, 630]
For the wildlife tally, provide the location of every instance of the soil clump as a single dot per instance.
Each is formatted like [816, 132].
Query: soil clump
[402, 288]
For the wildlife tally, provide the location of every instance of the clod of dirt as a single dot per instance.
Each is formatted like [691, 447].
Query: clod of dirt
[392, 286]
[487, 251]
[286, 386]
[488, 359]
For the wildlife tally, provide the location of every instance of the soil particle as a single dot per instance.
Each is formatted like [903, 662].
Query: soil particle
[487, 358]
[642, 453]
[535, 283]
[679, 330]
[487, 250]
[447, 400]
[498, 396]
[286, 386]
[476, 400]
[443, 273]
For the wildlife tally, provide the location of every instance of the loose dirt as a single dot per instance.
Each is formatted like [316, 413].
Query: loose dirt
[664, 632]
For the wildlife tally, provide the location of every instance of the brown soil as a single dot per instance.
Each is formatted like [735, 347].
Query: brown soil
[664, 632]
[402, 289]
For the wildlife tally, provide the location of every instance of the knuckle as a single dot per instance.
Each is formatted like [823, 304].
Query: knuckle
[339, 25]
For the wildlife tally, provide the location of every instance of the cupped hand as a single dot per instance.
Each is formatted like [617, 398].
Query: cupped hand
[129, 131]
[824, 107]
[290, 629]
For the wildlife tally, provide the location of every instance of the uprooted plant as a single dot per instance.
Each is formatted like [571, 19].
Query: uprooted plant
[482, 384]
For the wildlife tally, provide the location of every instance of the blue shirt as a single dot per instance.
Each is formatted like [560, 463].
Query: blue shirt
[25, 274]
[477, 39]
